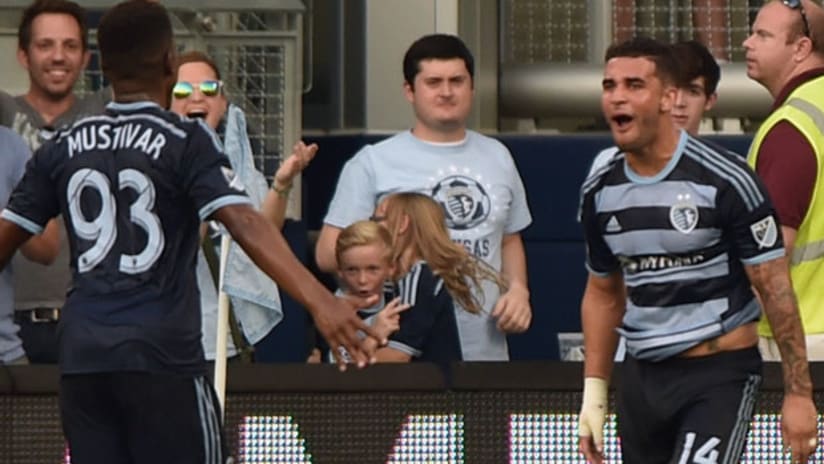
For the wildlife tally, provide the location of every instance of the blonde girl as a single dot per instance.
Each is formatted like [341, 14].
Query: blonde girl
[432, 273]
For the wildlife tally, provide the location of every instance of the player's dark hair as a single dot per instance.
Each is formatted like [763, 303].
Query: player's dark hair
[695, 60]
[195, 56]
[435, 47]
[40, 7]
[135, 39]
[666, 67]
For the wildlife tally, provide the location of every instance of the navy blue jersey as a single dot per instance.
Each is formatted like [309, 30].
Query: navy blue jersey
[133, 186]
[681, 240]
[428, 329]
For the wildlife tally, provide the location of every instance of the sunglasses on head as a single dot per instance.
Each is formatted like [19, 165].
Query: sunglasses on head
[185, 89]
[796, 5]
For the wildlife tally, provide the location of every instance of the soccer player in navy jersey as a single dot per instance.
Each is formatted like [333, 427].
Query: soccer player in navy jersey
[678, 233]
[133, 186]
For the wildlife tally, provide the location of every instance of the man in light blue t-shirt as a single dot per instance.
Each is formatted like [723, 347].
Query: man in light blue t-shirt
[471, 175]
[42, 248]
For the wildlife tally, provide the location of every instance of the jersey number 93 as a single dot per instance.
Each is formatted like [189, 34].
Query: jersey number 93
[102, 229]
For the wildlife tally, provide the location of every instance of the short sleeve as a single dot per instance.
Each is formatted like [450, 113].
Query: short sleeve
[519, 214]
[355, 195]
[599, 257]
[207, 175]
[420, 289]
[786, 154]
[750, 221]
[17, 153]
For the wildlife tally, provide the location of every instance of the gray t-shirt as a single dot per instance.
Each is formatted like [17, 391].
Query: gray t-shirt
[13, 156]
[477, 183]
[37, 285]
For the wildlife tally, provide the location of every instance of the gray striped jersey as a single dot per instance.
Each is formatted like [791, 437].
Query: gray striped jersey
[681, 239]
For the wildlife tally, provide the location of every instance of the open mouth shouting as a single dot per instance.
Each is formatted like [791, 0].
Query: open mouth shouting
[622, 121]
[198, 113]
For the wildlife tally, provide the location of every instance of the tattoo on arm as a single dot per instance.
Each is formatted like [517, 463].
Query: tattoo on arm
[712, 344]
[772, 281]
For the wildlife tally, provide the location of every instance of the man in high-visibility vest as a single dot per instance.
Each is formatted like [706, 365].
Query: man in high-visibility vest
[785, 54]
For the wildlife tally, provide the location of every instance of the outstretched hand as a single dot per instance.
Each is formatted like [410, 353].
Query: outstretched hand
[301, 156]
[339, 324]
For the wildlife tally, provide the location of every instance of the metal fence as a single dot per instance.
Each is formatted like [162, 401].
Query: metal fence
[257, 45]
[563, 31]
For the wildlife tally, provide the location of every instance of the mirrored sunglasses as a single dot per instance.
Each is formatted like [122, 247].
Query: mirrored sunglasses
[185, 89]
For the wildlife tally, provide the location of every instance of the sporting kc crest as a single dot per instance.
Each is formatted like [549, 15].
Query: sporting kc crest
[465, 202]
[684, 214]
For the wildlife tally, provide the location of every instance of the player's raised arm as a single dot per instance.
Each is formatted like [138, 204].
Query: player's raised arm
[334, 317]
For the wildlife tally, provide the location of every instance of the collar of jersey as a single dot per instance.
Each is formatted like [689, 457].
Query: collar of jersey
[132, 106]
[676, 156]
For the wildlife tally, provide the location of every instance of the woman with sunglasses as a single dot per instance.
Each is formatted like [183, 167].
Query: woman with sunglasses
[199, 93]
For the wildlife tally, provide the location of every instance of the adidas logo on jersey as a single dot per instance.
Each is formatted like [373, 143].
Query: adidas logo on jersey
[613, 225]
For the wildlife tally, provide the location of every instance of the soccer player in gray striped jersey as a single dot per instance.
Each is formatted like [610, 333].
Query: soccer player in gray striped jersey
[697, 81]
[678, 234]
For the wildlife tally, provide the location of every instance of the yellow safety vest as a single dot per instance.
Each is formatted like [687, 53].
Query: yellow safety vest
[804, 109]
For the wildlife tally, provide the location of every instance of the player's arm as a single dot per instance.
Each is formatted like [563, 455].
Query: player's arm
[12, 237]
[513, 311]
[756, 235]
[772, 282]
[43, 248]
[785, 154]
[602, 309]
[325, 248]
[265, 245]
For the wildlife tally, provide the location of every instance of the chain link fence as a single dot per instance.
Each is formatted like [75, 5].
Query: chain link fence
[560, 31]
[257, 53]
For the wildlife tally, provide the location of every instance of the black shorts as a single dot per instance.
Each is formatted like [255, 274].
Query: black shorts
[687, 410]
[138, 417]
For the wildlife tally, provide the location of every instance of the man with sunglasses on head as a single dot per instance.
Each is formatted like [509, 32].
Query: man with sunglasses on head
[53, 49]
[785, 54]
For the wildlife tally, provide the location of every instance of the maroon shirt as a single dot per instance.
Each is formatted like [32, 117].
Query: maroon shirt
[787, 163]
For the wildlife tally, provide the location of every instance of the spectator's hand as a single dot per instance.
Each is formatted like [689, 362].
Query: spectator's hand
[513, 312]
[314, 357]
[798, 426]
[591, 420]
[301, 156]
[339, 324]
[387, 321]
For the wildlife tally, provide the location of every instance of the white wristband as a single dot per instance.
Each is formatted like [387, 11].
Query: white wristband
[594, 410]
